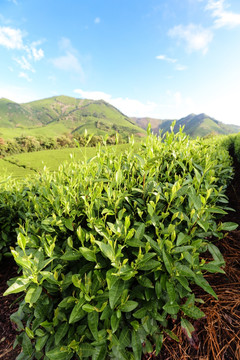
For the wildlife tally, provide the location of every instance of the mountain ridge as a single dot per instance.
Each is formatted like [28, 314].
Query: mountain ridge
[62, 114]
[194, 125]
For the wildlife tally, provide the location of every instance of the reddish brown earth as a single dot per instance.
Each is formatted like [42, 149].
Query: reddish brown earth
[217, 336]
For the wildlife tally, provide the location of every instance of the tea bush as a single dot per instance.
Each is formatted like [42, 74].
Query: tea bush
[110, 248]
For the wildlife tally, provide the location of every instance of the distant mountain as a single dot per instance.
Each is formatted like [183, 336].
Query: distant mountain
[62, 114]
[194, 125]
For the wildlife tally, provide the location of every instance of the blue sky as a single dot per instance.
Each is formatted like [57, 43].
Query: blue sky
[157, 58]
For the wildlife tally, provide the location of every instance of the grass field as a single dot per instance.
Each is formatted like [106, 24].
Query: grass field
[22, 165]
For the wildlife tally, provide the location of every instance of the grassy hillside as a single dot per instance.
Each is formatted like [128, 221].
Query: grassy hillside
[194, 125]
[62, 114]
[21, 165]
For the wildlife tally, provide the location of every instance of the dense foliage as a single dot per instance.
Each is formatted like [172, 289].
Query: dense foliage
[109, 248]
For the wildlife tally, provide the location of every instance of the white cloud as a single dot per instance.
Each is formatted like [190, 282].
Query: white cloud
[165, 58]
[24, 76]
[97, 20]
[180, 67]
[11, 38]
[69, 61]
[195, 37]
[223, 18]
[130, 107]
[37, 54]
[24, 63]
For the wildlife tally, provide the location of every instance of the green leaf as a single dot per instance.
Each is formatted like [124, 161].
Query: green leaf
[184, 270]
[59, 354]
[216, 254]
[200, 281]
[19, 285]
[27, 345]
[88, 254]
[171, 307]
[140, 232]
[183, 281]
[100, 352]
[216, 211]
[107, 250]
[182, 239]
[71, 255]
[228, 226]
[115, 292]
[145, 282]
[114, 322]
[139, 314]
[171, 334]
[77, 312]
[61, 332]
[159, 343]
[41, 341]
[136, 345]
[124, 339]
[154, 245]
[212, 268]
[167, 261]
[187, 327]
[69, 224]
[33, 294]
[171, 291]
[21, 240]
[89, 308]
[129, 306]
[93, 324]
[85, 350]
[192, 311]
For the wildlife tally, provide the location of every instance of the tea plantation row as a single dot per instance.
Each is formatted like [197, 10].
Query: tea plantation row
[109, 248]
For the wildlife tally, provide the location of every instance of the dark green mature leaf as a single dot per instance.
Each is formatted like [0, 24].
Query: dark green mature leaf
[171, 307]
[77, 312]
[216, 254]
[93, 324]
[129, 306]
[27, 345]
[192, 311]
[61, 332]
[200, 281]
[167, 261]
[136, 345]
[88, 254]
[71, 255]
[41, 341]
[100, 352]
[140, 232]
[115, 292]
[228, 226]
[59, 354]
[107, 250]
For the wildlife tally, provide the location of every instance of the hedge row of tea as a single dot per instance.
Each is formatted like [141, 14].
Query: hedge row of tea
[109, 249]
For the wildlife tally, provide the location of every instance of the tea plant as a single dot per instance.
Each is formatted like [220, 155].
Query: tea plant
[110, 248]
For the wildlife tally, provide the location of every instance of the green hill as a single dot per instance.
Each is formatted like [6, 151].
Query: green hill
[194, 125]
[62, 114]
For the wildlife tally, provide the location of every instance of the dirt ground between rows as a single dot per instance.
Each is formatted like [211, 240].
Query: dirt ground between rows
[217, 336]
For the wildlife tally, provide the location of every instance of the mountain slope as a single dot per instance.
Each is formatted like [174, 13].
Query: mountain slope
[194, 125]
[63, 114]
